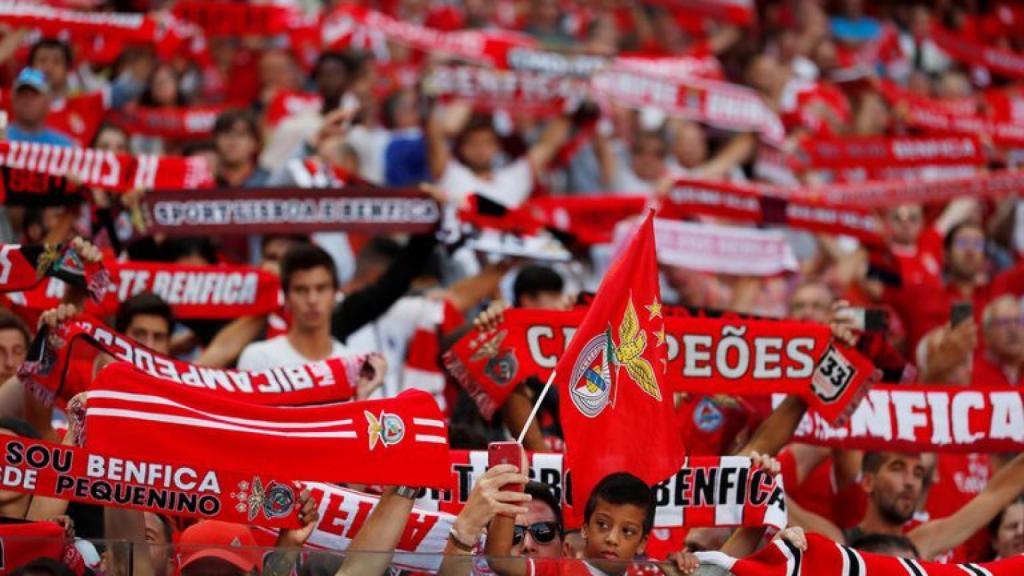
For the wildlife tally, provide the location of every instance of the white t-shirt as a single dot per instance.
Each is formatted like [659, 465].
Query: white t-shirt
[279, 353]
[510, 186]
[390, 335]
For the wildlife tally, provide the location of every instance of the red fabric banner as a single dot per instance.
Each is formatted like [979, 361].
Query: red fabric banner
[52, 374]
[882, 194]
[285, 104]
[288, 211]
[343, 512]
[926, 418]
[1003, 62]
[616, 403]
[191, 122]
[824, 557]
[731, 356]
[23, 267]
[490, 89]
[221, 291]
[152, 482]
[131, 414]
[348, 24]
[694, 496]
[162, 30]
[936, 116]
[235, 19]
[739, 12]
[875, 153]
[719, 104]
[591, 220]
[107, 170]
[765, 205]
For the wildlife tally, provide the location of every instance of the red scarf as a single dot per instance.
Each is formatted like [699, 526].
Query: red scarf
[719, 104]
[287, 211]
[23, 267]
[343, 513]
[107, 170]
[883, 194]
[489, 89]
[1002, 62]
[824, 557]
[730, 356]
[739, 12]
[926, 418]
[397, 441]
[873, 154]
[720, 249]
[764, 205]
[23, 542]
[51, 374]
[180, 123]
[350, 25]
[221, 291]
[702, 493]
[229, 19]
[937, 117]
[149, 482]
[164, 31]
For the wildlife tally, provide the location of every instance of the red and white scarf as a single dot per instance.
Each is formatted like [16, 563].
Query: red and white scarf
[23, 267]
[490, 89]
[351, 25]
[287, 211]
[181, 123]
[162, 29]
[719, 104]
[343, 512]
[231, 19]
[396, 441]
[728, 355]
[285, 104]
[875, 153]
[767, 205]
[718, 249]
[1002, 62]
[926, 418]
[707, 491]
[221, 291]
[739, 12]
[52, 375]
[107, 170]
[937, 116]
[152, 482]
[824, 557]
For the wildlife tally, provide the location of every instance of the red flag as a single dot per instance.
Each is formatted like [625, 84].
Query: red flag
[616, 406]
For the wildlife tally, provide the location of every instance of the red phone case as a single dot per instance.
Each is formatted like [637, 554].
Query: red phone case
[506, 453]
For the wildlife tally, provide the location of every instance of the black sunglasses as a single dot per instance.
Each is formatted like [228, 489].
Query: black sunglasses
[542, 532]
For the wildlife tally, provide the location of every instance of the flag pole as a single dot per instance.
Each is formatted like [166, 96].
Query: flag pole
[536, 408]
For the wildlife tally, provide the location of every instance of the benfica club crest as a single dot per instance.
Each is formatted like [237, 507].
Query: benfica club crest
[501, 365]
[275, 501]
[388, 429]
[591, 385]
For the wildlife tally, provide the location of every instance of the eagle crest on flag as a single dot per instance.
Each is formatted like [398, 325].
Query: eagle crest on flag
[629, 352]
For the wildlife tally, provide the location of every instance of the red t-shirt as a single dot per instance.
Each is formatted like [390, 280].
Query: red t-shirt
[817, 493]
[560, 567]
[988, 373]
[925, 306]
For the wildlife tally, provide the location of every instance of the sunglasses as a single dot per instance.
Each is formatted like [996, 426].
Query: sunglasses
[542, 532]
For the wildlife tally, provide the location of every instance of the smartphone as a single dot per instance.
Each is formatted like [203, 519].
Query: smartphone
[867, 319]
[959, 312]
[506, 453]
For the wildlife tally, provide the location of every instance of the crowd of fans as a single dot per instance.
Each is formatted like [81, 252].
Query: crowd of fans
[820, 65]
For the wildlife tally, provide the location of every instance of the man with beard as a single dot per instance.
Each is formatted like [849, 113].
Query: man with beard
[894, 484]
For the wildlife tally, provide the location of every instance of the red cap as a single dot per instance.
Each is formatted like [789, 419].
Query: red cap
[233, 543]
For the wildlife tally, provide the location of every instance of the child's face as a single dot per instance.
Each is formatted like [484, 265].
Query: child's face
[615, 532]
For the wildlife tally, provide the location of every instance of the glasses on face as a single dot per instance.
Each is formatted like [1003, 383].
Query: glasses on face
[970, 243]
[1008, 322]
[542, 532]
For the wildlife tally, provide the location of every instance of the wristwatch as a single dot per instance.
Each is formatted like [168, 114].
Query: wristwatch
[407, 492]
